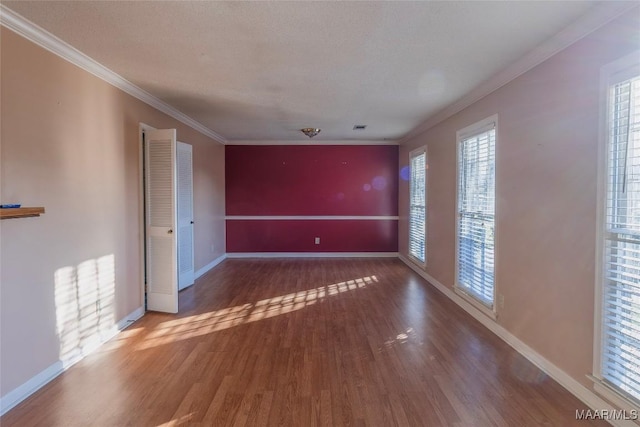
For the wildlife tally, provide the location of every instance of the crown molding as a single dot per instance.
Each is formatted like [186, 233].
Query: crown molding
[313, 142]
[32, 32]
[597, 17]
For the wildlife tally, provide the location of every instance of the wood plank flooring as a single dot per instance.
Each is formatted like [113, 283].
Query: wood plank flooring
[309, 342]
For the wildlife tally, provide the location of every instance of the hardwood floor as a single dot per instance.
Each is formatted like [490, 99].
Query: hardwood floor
[304, 343]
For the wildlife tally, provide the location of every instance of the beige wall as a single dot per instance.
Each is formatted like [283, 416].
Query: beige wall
[69, 142]
[547, 141]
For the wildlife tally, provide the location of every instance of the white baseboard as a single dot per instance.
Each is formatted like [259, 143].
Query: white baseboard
[130, 319]
[312, 255]
[20, 393]
[587, 396]
[209, 266]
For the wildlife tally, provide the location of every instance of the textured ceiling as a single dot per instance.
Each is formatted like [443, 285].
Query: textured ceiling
[263, 70]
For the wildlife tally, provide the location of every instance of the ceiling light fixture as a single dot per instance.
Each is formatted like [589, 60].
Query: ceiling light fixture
[310, 132]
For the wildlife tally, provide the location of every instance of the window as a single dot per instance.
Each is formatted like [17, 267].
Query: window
[476, 211]
[618, 299]
[418, 205]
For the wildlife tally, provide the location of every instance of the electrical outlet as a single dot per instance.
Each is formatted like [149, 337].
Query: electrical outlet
[317, 240]
[501, 301]
[212, 249]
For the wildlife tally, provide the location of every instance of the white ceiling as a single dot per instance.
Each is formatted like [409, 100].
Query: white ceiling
[263, 70]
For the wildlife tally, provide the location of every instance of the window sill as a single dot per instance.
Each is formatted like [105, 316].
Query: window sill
[475, 303]
[612, 395]
[416, 261]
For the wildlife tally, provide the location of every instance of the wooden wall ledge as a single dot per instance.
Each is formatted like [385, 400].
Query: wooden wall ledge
[20, 212]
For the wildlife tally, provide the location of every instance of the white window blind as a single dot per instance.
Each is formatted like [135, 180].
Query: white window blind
[620, 353]
[418, 206]
[476, 215]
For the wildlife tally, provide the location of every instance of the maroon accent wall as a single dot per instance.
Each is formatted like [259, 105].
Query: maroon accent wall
[335, 180]
[311, 180]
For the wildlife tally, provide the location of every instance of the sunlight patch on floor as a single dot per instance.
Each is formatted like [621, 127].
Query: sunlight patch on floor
[401, 338]
[206, 323]
[120, 340]
[178, 421]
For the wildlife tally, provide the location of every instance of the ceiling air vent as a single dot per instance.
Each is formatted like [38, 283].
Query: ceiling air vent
[359, 127]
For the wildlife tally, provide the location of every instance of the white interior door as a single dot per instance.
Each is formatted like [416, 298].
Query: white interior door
[186, 273]
[160, 200]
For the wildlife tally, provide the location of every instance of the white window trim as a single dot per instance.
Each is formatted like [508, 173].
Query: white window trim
[614, 72]
[612, 395]
[412, 154]
[483, 308]
[474, 129]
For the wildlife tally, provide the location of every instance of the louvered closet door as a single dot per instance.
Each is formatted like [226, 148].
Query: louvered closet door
[185, 216]
[160, 194]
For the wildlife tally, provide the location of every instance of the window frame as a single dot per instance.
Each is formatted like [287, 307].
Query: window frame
[412, 154]
[477, 128]
[615, 72]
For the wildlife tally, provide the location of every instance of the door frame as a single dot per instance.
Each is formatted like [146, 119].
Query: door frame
[142, 127]
[179, 234]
